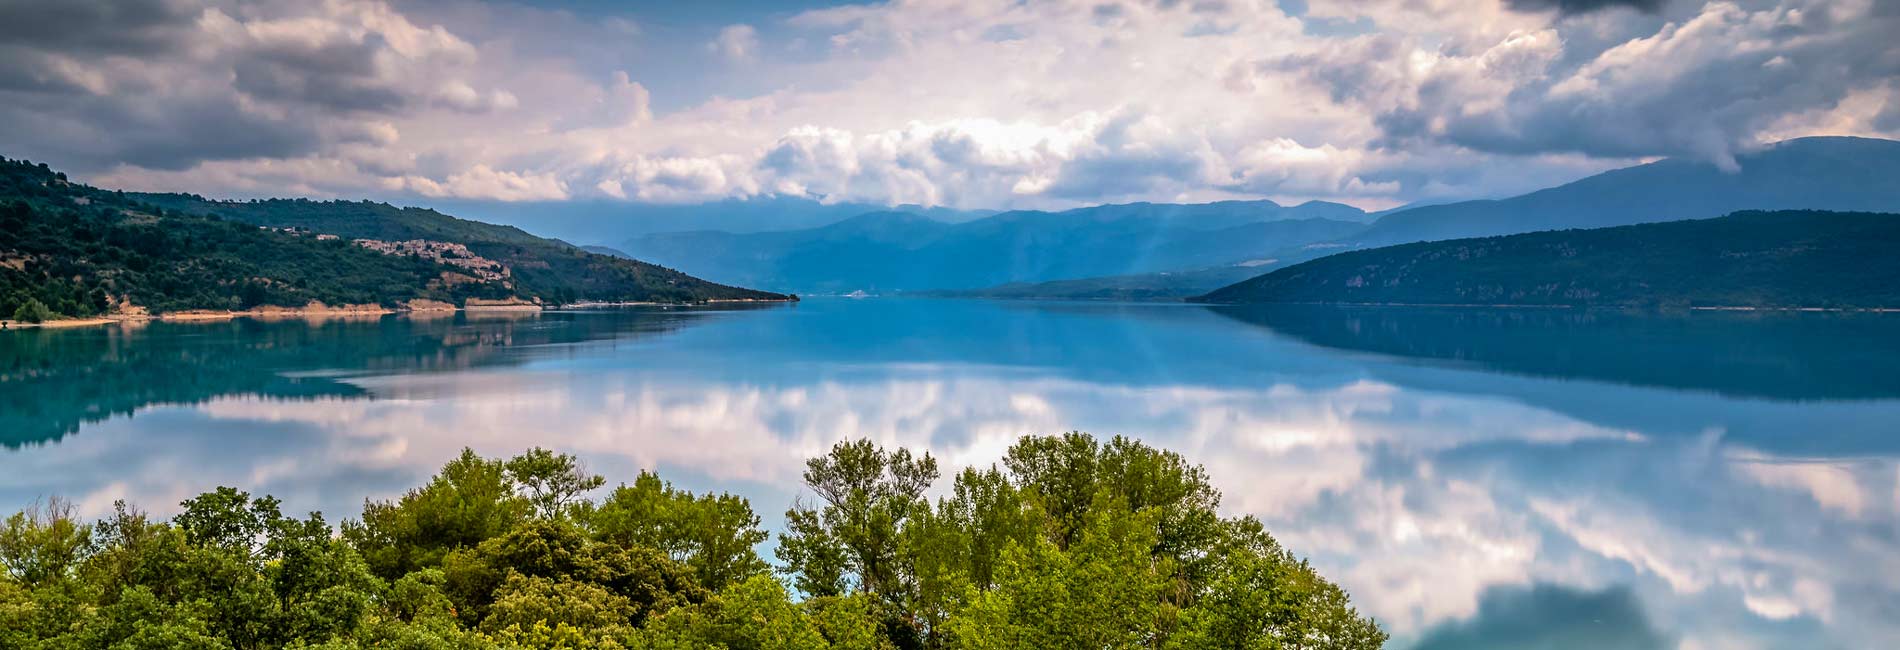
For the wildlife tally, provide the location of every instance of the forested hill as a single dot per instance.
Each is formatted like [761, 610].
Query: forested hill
[549, 269]
[67, 249]
[1783, 259]
[350, 219]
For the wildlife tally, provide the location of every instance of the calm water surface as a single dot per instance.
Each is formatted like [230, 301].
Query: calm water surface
[1701, 481]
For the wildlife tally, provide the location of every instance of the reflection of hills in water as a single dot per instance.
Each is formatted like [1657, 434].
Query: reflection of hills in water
[1773, 355]
[54, 381]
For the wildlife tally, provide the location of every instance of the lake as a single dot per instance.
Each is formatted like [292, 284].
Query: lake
[1705, 480]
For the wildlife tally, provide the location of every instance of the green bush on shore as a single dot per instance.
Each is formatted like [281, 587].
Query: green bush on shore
[32, 311]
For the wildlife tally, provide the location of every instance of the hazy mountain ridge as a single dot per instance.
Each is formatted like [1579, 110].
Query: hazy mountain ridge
[1158, 286]
[1819, 173]
[613, 221]
[899, 251]
[1784, 259]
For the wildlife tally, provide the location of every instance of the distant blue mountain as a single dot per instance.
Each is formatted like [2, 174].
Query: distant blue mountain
[1822, 173]
[607, 222]
[901, 251]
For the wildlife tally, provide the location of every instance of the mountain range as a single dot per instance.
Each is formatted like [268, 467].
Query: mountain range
[1821, 173]
[611, 221]
[80, 250]
[902, 251]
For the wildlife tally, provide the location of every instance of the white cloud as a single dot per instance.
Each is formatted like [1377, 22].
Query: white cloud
[484, 182]
[736, 43]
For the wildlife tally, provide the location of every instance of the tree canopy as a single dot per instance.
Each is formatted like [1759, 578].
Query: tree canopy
[1070, 543]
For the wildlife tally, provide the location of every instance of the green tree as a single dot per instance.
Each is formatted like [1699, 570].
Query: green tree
[1104, 591]
[1066, 476]
[957, 547]
[554, 482]
[33, 311]
[557, 551]
[868, 495]
[714, 535]
[43, 544]
[756, 614]
[1261, 596]
[471, 500]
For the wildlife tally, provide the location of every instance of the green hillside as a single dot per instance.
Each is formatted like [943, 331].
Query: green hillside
[71, 250]
[67, 249]
[1749, 259]
[549, 269]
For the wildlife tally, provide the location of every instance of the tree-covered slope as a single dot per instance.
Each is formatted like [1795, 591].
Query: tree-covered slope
[80, 251]
[549, 269]
[1748, 259]
[67, 249]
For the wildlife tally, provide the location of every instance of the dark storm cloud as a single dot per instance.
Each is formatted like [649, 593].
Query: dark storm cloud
[1551, 617]
[80, 27]
[1569, 7]
[169, 84]
[338, 74]
[1346, 69]
[44, 46]
[169, 133]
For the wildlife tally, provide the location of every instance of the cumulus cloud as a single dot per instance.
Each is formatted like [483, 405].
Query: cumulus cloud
[1705, 85]
[82, 28]
[169, 85]
[736, 42]
[484, 182]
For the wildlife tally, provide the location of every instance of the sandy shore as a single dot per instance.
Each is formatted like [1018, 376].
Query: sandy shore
[57, 324]
[324, 312]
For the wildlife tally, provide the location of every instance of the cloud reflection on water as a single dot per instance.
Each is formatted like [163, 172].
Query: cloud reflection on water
[1445, 499]
[1419, 502]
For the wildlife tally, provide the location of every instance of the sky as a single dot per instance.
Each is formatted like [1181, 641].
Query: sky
[990, 104]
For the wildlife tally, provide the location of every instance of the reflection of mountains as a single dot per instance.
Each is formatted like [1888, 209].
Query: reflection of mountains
[54, 381]
[1784, 356]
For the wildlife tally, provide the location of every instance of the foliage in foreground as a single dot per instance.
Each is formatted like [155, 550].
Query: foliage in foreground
[1071, 543]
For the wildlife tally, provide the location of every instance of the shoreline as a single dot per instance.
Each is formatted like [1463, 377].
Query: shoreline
[346, 311]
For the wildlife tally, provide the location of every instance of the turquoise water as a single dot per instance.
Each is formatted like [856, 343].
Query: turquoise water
[1694, 481]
